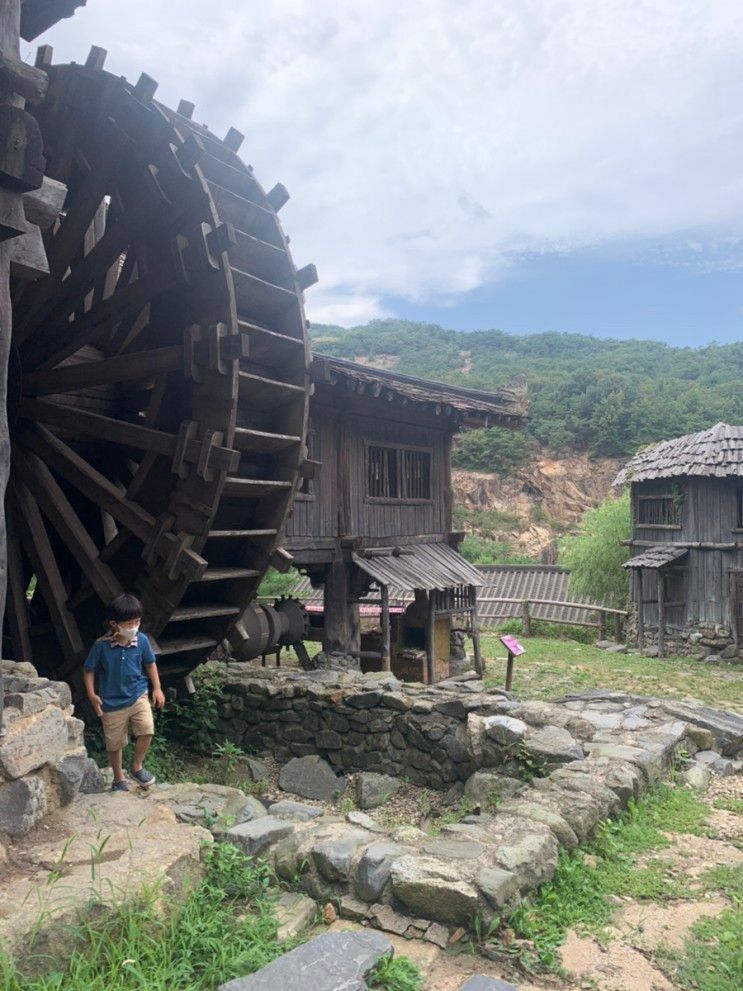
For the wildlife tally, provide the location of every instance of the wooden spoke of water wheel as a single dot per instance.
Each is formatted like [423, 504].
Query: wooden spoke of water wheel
[159, 380]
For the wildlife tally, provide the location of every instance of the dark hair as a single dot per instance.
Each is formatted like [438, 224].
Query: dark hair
[124, 607]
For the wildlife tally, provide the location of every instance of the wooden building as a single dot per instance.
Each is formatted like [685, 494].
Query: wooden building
[687, 543]
[378, 511]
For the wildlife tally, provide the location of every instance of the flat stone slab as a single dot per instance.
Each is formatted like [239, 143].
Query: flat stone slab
[254, 837]
[311, 777]
[143, 844]
[286, 809]
[331, 962]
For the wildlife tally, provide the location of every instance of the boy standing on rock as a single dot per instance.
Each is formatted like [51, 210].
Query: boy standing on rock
[123, 661]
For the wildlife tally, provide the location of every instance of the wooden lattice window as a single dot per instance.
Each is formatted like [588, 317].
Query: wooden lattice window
[658, 511]
[739, 509]
[398, 473]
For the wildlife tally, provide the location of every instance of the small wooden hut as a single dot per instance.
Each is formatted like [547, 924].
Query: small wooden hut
[687, 543]
[378, 512]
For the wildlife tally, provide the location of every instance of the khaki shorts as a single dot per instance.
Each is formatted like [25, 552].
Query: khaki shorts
[116, 724]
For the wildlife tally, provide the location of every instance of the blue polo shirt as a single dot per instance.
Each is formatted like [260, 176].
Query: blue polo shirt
[120, 670]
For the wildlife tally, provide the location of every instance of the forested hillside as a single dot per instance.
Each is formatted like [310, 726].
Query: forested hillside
[605, 397]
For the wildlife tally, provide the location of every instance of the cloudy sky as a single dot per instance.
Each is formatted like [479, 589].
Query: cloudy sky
[523, 164]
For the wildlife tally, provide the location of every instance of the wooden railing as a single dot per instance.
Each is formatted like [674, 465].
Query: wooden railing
[604, 614]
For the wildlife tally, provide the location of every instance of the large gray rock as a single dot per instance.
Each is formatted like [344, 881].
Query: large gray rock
[374, 868]
[696, 776]
[498, 886]
[551, 746]
[254, 837]
[433, 889]
[548, 817]
[331, 962]
[489, 788]
[504, 730]
[722, 766]
[333, 856]
[373, 790]
[30, 741]
[75, 774]
[22, 804]
[311, 777]
[481, 983]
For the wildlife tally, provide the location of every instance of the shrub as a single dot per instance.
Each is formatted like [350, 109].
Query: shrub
[594, 556]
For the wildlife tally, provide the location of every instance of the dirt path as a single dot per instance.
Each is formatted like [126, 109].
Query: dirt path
[623, 959]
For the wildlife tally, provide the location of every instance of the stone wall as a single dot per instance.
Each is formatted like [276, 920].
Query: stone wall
[357, 722]
[43, 761]
[703, 641]
[539, 776]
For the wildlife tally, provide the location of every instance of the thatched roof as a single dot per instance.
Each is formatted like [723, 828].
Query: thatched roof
[503, 407]
[714, 453]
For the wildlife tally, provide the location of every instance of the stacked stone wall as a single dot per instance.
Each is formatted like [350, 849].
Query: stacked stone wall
[703, 641]
[43, 760]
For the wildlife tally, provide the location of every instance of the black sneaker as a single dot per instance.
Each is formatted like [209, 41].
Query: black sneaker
[143, 777]
[120, 786]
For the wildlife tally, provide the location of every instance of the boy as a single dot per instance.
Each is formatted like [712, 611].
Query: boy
[123, 661]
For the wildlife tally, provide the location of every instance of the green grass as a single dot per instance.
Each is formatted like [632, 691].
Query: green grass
[713, 954]
[222, 928]
[552, 668]
[399, 974]
[729, 804]
[578, 894]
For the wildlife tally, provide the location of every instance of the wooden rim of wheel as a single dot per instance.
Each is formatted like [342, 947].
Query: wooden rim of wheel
[161, 379]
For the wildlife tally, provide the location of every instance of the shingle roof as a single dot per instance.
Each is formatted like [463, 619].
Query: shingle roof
[505, 406]
[656, 557]
[716, 452]
[506, 581]
[428, 566]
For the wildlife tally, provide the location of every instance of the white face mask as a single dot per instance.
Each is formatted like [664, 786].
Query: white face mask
[127, 633]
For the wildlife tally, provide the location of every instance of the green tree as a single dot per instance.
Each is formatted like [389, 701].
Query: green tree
[594, 556]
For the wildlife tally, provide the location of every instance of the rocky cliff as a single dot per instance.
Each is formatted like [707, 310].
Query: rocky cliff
[541, 500]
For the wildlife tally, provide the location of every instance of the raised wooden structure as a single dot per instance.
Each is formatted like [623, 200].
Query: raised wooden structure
[159, 380]
[377, 512]
[687, 542]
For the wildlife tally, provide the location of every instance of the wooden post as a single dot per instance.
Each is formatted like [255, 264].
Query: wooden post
[341, 630]
[386, 650]
[431, 638]
[509, 671]
[525, 618]
[661, 615]
[476, 634]
[617, 627]
[640, 614]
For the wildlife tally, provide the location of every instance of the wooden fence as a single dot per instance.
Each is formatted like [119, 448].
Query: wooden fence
[604, 615]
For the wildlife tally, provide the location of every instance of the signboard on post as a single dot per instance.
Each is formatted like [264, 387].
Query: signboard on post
[512, 645]
[514, 648]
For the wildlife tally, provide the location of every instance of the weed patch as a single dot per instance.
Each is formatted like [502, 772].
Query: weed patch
[223, 928]
[577, 896]
[399, 974]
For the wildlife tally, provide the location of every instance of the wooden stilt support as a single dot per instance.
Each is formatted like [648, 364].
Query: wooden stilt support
[431, 639]
[476, 634]
[661, 615]
[386, 656]
[640, 614]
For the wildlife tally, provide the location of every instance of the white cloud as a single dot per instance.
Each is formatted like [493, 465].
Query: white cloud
[428, 145]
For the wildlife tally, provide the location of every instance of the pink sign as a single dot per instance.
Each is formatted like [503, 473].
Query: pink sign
[512, 645]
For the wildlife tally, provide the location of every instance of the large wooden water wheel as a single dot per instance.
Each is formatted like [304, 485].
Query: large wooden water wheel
[159, 379]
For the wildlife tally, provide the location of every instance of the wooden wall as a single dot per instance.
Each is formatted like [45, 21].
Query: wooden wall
[707, 513]
[339, 506]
